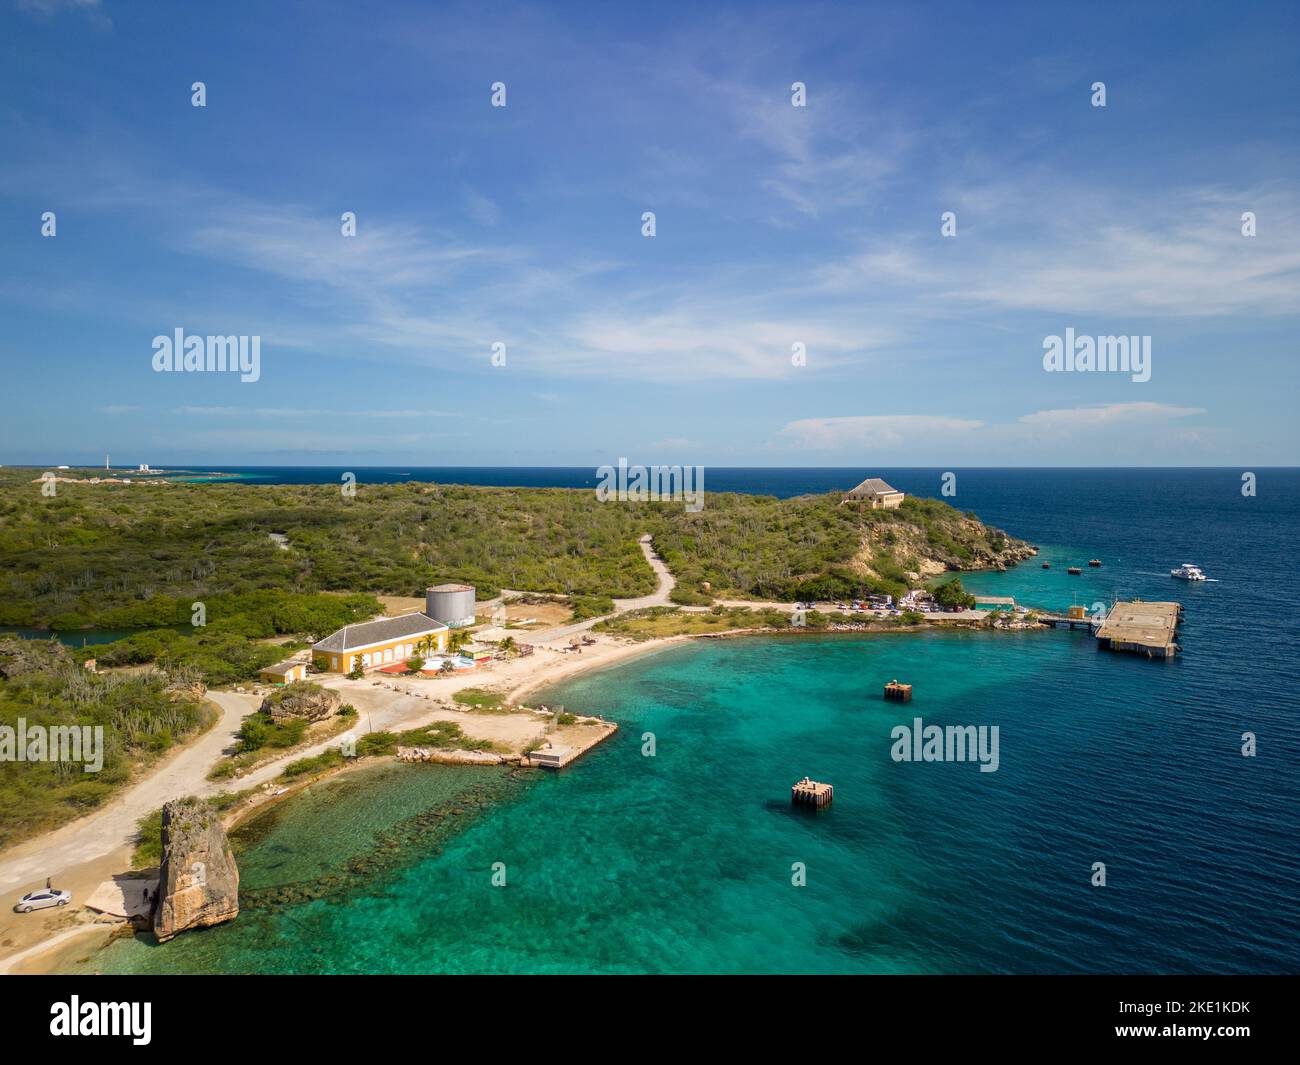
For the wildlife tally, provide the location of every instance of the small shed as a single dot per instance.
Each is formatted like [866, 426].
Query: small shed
[283, 673]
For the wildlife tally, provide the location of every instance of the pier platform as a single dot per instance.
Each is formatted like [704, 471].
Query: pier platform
[1142, 628]
[569, 743]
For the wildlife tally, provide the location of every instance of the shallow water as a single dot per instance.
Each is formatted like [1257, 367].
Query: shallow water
[683, 862]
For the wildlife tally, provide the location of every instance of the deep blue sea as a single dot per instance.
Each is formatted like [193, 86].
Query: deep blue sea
[685, 861]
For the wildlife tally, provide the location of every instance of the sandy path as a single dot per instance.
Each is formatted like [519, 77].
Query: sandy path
[113, 827]
[659, 597]
[75, 853]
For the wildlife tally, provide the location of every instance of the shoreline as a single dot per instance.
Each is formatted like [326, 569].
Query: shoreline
[45, 956]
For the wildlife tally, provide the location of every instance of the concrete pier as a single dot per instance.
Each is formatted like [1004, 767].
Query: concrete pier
[1142, 628]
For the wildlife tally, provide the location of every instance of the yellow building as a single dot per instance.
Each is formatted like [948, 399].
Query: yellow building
[379, 643]
[876, 494]
[283, 673]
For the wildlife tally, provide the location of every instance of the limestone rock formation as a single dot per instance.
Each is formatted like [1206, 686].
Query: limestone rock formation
[198, 882]
[302, 699]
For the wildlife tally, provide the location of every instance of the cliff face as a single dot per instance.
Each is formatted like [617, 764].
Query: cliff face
[198, 882]
[923, 549]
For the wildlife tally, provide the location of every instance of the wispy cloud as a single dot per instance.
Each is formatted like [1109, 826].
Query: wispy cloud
[1104, 415]
[874, 430]
[298, 412]
[46, 9]
[1182, 255]
[924, 430]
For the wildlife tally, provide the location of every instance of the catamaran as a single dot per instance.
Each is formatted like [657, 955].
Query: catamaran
[1187, 572]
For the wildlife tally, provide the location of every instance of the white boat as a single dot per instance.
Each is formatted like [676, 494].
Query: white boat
[1187, 572]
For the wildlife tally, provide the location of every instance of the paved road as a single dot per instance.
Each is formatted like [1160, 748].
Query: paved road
[104, 831]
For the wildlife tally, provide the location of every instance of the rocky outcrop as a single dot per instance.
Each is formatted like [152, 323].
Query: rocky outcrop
[198, 883]
[303, 699]
[923, 549]
[25, 656]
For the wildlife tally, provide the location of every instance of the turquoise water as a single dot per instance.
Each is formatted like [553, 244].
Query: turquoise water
[682, 862]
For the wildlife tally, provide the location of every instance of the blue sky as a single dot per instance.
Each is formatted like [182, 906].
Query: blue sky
[775, 225]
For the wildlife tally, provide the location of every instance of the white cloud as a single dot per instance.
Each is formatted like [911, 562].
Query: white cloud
[689, 343]
[874, 430]
[1181, 256]
[1041, 429]
[1101, 416]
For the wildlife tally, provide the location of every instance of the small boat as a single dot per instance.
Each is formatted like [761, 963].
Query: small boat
[1074, 570]
[1094, 562]
[1188, 572]
[1047, 565]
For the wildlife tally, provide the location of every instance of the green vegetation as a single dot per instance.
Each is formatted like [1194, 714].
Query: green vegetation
[315, 764]
[261, 730]
[951, 595]
[142, 715]
[481, 700]
[815, 548]
[113, 557]
[656, 621]
[261, 734]
[148, 848]
[686, 596]
[592, 606]
[445, 735]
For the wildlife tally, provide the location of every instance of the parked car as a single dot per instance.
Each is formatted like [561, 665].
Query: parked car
[42, 900]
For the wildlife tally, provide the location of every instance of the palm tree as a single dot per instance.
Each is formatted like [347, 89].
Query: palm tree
[457, 640]
[507, 645]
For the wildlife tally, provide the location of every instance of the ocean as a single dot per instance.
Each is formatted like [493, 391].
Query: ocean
[693, 860]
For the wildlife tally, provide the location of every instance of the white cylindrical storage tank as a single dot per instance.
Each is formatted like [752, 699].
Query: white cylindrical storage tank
[452, 604]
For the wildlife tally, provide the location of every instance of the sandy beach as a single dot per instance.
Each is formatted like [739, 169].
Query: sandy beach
[80, 855]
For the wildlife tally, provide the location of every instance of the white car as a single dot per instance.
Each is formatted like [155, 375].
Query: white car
[41, 900]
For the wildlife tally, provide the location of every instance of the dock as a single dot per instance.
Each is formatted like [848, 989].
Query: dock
[1076, 618]
[811, 793]
[575, 741]
[900, 693]
[1141, 628]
